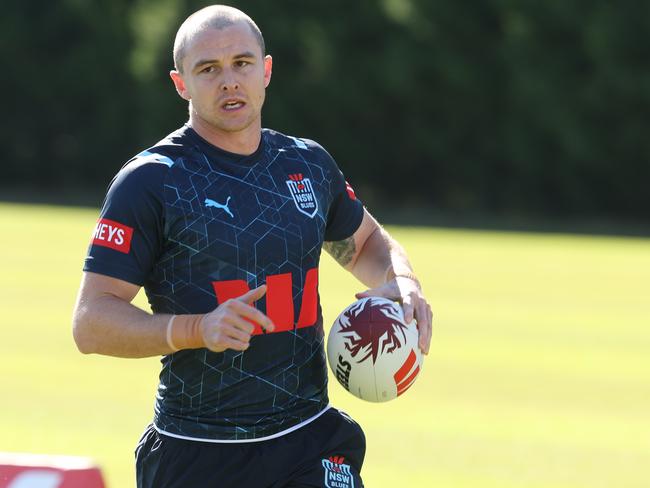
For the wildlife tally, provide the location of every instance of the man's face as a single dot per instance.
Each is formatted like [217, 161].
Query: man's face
[225, 77]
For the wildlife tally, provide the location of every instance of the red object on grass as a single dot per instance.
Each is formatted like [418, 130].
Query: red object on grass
[19, 470]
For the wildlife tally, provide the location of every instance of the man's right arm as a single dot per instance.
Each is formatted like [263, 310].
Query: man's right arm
[105, 322]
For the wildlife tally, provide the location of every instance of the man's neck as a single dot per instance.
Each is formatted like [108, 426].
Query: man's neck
[244, 142]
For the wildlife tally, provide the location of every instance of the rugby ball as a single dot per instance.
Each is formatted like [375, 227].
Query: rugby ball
[372, 351]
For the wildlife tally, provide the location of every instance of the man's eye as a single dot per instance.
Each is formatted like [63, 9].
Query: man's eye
[241, 64]
[207, 69]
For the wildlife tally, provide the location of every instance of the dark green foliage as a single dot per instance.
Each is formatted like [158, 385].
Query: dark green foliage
[66, 93]
[502, 106]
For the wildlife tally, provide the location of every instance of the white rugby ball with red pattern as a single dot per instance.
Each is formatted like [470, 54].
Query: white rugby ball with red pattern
[372, 352]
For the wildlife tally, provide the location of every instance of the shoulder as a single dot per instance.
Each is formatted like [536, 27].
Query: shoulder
[145, 170]
[150, 167]
[284, 141]
[316, 152]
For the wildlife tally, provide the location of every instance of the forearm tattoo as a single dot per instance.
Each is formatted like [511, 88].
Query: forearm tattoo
[343, 251]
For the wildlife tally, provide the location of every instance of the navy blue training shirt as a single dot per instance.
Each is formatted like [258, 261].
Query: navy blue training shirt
[196, 225]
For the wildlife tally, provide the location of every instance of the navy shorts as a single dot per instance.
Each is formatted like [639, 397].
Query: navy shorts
[328, 452]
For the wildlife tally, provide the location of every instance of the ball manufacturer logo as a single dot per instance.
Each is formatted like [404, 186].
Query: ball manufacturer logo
[343, 372]
[388, 333]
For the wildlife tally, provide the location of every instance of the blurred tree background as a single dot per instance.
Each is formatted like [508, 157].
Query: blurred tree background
[501, 107]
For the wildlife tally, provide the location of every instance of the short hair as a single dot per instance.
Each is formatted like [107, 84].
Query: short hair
[212, 17]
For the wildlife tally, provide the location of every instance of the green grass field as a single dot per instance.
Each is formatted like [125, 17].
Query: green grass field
[538, 377]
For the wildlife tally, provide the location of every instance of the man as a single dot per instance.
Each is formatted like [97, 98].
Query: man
[223, 223]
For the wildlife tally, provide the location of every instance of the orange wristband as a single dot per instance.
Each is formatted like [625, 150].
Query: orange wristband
[184, 332]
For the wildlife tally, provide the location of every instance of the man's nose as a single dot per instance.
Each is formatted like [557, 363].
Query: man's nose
[229, 82]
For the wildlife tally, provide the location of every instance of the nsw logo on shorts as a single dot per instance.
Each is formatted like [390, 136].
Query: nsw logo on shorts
[303, 194]
[337, 474]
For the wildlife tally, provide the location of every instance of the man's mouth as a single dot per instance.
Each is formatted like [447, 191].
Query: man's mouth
[233, 105]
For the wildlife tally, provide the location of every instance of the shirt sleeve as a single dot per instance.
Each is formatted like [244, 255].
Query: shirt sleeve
[127, 238]
[346, 210]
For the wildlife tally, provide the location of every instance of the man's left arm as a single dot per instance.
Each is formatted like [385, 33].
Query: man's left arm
[381, 263]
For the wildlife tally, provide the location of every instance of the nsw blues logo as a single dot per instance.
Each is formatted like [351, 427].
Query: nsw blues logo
[303, 194]
[337, 474]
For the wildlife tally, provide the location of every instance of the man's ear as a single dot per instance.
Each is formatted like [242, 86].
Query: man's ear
[179, 83]
[268, 69]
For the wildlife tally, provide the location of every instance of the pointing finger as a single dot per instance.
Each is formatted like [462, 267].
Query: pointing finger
[253, 295]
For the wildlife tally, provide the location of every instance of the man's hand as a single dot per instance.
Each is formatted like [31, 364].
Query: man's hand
[372, 255]
[407, 291]
[229, 325]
